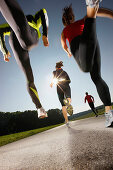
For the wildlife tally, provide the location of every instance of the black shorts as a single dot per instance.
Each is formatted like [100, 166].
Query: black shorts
[63, 91]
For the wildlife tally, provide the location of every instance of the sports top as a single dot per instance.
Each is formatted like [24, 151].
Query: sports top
[73, 30]
[89, 98]
[35, 21]
[61, 74]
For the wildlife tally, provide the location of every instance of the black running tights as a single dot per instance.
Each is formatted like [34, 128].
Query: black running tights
[86, 51]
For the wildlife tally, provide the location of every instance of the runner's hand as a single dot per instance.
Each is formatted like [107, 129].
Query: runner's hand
[69, 54]
[6, 57]
[45, 41]
[51, 85]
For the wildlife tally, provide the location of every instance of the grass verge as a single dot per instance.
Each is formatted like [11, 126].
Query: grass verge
[100, 112]
[17, 136]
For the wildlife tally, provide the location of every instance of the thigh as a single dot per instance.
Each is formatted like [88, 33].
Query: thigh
[83, 47]
[21, 56]
[74, 47]
[67, 91]
[60, 95]
[96, 68]
[86, 55]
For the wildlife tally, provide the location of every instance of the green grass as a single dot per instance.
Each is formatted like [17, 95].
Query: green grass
[17, 136]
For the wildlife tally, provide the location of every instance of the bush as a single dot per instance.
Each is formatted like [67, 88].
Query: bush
[27, 120]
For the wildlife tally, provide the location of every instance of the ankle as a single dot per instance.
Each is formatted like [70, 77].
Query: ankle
[92, 12]
[66, 121]
[108, 108]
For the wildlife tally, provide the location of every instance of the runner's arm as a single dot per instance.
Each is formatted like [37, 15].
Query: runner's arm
[4, 30]
[104, 12]
[85, 100]
[2, 45]
[92, 98]
[64, 45]
[45, 24]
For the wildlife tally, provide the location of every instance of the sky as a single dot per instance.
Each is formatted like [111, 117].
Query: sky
[13, 91]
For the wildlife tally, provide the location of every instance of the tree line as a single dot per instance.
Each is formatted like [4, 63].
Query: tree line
[15, 122]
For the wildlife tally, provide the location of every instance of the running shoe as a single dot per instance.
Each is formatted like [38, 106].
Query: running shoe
[42, 113]
[67, 124]
[66, 102]
[69, 107]
[109, 118]
[92, 3]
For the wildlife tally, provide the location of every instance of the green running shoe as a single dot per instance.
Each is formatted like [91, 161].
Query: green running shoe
[69, 107]
[66, 102]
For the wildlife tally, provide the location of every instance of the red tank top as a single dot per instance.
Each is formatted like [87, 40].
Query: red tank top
[88, 98]
[73, 30]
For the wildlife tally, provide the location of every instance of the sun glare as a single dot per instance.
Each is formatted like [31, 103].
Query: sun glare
[55, 81]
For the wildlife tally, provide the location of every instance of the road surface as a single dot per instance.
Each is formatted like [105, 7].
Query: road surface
[86, 145]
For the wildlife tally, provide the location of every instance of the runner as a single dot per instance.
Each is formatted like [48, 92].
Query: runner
[62, 80]
[23, 34]
[90, 100]
[84, 47]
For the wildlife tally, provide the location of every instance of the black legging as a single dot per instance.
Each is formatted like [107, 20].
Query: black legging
[21, 40]
[63, 91]
[86, 51]
[91, 104]
[22, 58]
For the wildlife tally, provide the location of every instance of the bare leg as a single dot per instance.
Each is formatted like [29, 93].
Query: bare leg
[92, 12]
[64, 111]
[107, 108]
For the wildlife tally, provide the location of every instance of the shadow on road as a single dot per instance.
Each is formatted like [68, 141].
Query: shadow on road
[90, 150]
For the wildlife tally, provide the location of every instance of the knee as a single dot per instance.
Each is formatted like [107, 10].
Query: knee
[31, 84]
[27, 39]
[85, 69]
[85, 66]
[96, 78]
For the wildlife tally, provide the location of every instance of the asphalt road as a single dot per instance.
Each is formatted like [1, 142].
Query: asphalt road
[87, 145]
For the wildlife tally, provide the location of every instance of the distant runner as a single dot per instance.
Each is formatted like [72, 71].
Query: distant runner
[90, 100]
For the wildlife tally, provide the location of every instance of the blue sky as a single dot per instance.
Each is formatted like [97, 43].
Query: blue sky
[13, 92]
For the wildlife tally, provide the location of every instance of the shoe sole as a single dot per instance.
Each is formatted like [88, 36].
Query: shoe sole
[111, 125]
